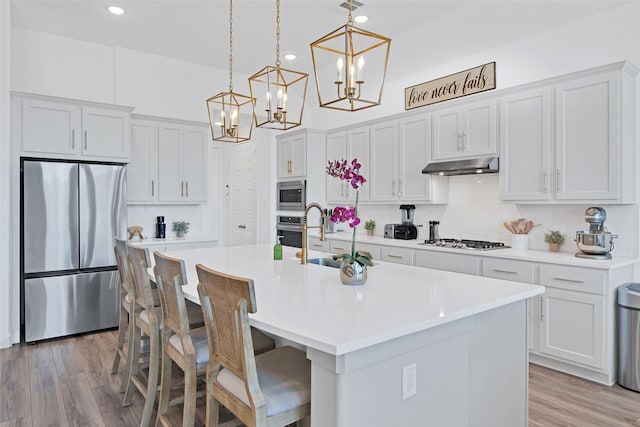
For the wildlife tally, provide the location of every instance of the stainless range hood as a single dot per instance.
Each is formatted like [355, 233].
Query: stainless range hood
[463, 167]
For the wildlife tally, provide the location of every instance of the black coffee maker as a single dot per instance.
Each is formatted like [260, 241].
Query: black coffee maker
[161, 228]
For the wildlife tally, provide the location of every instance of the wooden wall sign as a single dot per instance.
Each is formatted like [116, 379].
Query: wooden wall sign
[475, 80]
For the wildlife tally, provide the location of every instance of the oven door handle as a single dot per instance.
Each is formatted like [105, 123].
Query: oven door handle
[289, 228]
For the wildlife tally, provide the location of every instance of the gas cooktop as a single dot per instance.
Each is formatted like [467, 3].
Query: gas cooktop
[475, 245]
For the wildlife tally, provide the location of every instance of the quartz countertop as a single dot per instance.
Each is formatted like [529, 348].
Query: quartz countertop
[563, 258]
[308, 304]
[152, 241]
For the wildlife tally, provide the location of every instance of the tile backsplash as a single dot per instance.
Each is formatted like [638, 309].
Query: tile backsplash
[475, 211]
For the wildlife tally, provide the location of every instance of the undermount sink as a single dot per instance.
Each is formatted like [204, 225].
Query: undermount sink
[329, 262]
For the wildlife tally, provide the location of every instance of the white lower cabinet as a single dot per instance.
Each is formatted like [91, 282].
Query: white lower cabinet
[447, 261]
[315, 244]
[397, 255]
[572, 326]
[507, 269]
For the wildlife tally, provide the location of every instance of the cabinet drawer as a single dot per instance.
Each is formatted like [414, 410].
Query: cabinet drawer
[374, 250]
[573, 278]
[448, 262]
[518, 271]
[315, 244]
[397, 255]
[339, 247]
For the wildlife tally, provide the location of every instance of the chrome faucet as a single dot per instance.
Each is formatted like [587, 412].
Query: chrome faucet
[305, 251]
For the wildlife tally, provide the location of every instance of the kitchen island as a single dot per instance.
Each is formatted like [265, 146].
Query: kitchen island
[460, 338]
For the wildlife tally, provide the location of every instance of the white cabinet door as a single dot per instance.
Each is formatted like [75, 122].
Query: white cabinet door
[448, 262]
[170, 161]
[447, 141]
[525, 145]
[105, 133]
[358, 147]
[414, 153]
[383, 179]
[195, 163]
[292, 156]
[479, 129]
[50, 127]
[572, 326]
[336, 150]
[586, 138]
[142, 171]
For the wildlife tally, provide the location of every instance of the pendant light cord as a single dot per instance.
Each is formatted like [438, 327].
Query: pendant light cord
[278, 33]
[230, 45]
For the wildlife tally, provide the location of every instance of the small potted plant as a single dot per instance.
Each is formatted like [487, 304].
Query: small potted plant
[370, 225]
[554, 238]
[181, 228]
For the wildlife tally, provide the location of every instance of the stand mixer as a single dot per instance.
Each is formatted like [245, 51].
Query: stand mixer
[595, 243]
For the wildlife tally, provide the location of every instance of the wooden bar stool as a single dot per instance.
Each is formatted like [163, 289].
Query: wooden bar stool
[126, 304]
[271, 389]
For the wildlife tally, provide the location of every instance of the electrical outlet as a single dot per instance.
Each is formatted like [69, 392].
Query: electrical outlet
[409, 385]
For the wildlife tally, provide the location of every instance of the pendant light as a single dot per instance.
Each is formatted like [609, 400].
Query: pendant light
[279, 93]
[231, 114]
[342, 59]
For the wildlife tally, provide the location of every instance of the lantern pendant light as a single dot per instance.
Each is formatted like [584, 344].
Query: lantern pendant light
[340, 66]
[228, 111]
[279, 93]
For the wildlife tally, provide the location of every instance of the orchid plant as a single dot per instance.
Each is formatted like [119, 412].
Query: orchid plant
[349, 172]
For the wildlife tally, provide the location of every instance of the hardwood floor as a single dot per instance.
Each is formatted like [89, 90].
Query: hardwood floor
[67, 382]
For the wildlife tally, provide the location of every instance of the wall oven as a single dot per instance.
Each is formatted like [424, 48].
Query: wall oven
[290, 229]
[291, 195]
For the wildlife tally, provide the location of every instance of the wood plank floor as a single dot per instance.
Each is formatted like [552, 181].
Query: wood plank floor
[67, 382]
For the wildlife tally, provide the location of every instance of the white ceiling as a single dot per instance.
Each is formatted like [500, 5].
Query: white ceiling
[198, 31]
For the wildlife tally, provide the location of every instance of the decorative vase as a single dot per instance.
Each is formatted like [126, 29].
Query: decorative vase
[554, 247]
[353, 274]
[520, 241]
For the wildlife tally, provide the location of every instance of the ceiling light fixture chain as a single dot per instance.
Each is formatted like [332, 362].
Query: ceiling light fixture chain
[278, 33]
[350, 19]
[230, 45]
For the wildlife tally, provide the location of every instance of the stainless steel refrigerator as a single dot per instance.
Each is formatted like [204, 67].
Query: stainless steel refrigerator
[71, 213]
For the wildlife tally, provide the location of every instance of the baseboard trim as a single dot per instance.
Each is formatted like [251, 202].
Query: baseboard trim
[6, 340]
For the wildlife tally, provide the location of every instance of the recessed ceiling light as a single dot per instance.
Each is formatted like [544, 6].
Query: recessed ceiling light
[115, 10]
[290, 56]
[361, 19]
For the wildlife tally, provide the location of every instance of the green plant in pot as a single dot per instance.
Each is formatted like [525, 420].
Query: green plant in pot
[181, 228]
[370, 225]
[554, 238]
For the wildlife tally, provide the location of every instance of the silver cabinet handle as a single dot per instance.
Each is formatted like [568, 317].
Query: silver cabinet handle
[459, 144]
[557, 180]
[73, 139]
[395, 256]
[338, 248]
[85, 139]
[187, 188]
[393, 187]
[400, 187]
[316, 245]
[544, 182]
[153, 188]
[505, 271]
[181, 188]
[561, 279]
[464, 137]
[541, 309]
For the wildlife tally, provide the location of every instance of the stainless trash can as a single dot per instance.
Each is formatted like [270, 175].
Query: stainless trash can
[629, 336]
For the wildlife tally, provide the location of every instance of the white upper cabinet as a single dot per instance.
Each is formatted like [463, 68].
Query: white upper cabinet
[168, 162]
[525, 145]
[348, 145]
[465, 131]
[52, 127]
[572, 140]
[292, 156]
[399, 150]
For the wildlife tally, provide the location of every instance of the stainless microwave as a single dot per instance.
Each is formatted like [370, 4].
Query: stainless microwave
[292, 195]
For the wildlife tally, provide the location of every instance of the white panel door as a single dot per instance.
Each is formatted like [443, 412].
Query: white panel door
[336, 150]
[383, 181]
[587, 138]
[170, 162]
[414, 153]
[196, 141]
[525, 145]
[243, 195]
[105, 133]
[479, 129]
[572, 326]
[447, 142]
[50, 127]
[142, 171]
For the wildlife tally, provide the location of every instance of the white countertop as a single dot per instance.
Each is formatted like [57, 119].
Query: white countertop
[308, 304]
[563, 258]
[152, 241]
